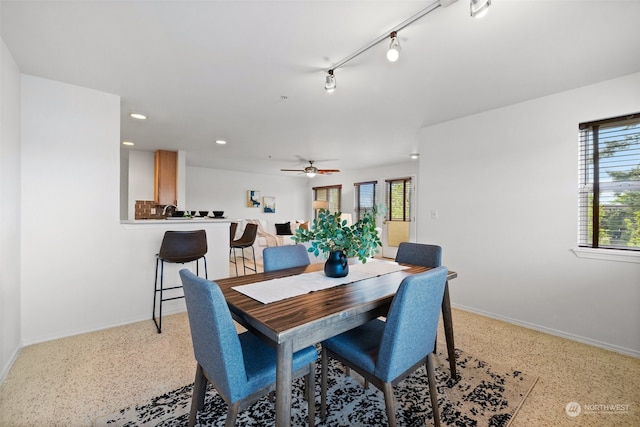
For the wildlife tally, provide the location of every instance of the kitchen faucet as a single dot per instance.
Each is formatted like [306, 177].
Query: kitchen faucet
[164, 211]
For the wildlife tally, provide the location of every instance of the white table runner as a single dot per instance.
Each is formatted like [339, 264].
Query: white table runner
[287, 287]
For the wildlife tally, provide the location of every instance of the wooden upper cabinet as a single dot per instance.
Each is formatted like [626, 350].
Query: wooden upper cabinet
[165, 182]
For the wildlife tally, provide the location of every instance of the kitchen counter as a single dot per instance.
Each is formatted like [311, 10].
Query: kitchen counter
[195, 220]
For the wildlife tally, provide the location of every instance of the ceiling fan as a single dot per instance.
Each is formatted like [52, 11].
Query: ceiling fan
[311, 170]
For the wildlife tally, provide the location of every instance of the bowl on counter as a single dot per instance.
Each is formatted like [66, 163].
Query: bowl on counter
[193, 213]
[217, 214]
[178, 214]
[203, 213]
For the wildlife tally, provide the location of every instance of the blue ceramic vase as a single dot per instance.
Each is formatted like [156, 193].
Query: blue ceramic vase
[337, 264]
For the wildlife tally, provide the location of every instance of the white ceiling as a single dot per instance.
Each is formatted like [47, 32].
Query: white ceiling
[207, 70]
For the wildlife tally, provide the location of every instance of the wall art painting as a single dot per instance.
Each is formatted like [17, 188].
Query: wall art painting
[269, 204]
[253, 199]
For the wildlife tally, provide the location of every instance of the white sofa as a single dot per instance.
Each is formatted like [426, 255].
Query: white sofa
[268, 235]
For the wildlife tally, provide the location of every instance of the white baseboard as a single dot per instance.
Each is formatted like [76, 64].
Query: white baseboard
[554, 332]
[146, 317]
[12, 360]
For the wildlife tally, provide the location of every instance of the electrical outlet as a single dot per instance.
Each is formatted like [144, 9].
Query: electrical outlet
[434, 214]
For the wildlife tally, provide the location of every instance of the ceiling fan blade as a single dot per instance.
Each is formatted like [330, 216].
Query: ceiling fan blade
[323, 171]
[291, 170]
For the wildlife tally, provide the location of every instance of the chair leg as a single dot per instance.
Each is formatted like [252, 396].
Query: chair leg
[311, 396]
[389, 402]
[235, 260]
[232, 414]
[155, 296]
[255, 266]
[433, 392]
[199, 390]
[323, 385]
[158, 320]
[244, 267]
[448, 330]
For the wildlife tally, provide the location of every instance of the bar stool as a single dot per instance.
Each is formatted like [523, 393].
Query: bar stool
[178, 247]
[245, 241]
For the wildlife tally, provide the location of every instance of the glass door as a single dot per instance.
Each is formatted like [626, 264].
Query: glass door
[399, 220]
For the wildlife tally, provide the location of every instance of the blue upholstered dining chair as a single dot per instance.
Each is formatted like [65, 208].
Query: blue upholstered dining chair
[419, 254]
[241, 367]
[384, 353]
[281, 257]
[431, 256]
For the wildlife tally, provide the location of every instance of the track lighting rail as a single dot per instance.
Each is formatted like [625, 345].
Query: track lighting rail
[478, 8]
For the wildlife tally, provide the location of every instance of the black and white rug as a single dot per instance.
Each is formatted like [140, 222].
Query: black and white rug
[483, 395]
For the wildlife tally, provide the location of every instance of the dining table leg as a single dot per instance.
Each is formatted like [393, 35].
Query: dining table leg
[448, 329]
[284, 361]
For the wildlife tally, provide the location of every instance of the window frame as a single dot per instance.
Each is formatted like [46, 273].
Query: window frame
[589, 187]
[407, 189]
[328, 188]
[357, 196]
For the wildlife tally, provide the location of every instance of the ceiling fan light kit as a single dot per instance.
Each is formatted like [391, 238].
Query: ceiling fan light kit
[478, 8]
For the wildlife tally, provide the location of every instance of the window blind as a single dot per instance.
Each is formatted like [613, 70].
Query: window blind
[366, 196]
[330, 194]
[609, 183]
[399, 199]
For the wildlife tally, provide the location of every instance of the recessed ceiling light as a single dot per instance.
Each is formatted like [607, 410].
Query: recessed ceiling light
[414, 156]
[220, 141]
[138, 116]
[127, 143]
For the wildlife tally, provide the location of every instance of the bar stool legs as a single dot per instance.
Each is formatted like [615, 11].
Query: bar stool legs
[244, 266]
[160, 289]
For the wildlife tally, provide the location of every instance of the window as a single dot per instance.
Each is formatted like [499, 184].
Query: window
[609, 183]
[331, 195]
[366, 196]
[399, 199]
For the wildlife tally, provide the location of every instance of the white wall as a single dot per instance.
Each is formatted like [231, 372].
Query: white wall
[72, 246]
[140, 175]
[504, 183]
[221, 190]
[10, 338]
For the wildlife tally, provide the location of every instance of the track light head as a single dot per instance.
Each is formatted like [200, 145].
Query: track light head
[479, 8]
[393, 53]
[330, 82]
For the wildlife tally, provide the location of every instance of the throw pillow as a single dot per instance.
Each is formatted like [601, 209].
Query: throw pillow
[304, 225]
[284, 229]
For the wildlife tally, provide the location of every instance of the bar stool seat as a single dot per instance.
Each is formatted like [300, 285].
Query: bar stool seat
[177, 247]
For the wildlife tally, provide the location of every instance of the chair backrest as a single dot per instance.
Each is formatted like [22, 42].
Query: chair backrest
[419, 254]
[215, 341]
[232, 231]
[248, 236]
[412, 323]
[183, 246]
[281, 257]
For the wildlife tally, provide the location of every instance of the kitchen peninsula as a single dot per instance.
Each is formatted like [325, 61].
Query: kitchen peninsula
[147, 235]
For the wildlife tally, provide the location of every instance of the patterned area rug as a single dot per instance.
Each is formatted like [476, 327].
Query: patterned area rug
[483, 395]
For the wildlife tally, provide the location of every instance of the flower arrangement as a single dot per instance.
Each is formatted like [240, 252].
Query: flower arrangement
[329, 233]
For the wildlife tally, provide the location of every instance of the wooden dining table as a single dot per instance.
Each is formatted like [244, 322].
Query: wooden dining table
[297, 322]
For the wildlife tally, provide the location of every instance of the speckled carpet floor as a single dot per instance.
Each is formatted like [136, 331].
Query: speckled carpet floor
[75, 380]
[484, 395]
